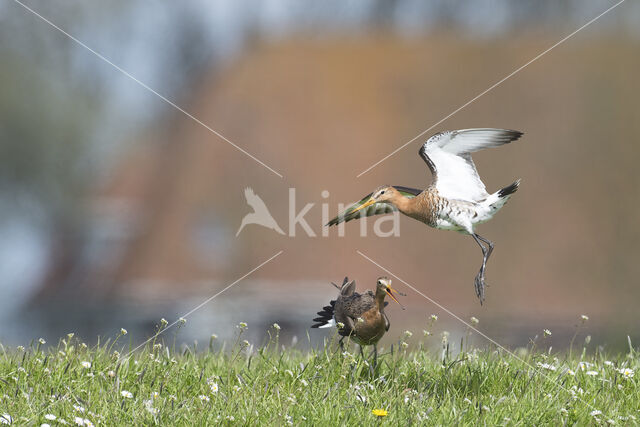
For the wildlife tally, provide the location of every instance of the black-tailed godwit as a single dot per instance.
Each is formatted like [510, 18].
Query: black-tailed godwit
[456, 199]
[359, 316]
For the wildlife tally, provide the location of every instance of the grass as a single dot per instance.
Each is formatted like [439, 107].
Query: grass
[278, 386]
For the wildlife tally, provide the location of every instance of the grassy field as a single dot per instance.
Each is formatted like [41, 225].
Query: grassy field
[72, 383]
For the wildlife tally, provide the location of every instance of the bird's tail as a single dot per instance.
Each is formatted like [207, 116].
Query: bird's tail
[498, 199]
[509, 189]
[325, 316]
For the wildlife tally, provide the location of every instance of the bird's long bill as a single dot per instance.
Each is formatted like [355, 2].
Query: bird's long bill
[365, 205]
[390, 291]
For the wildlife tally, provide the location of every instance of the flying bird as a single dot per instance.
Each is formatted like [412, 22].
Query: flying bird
[260, 214]
[359, 316]
[456, 199]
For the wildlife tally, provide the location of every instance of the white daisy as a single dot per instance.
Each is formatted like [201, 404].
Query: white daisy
[626, 372]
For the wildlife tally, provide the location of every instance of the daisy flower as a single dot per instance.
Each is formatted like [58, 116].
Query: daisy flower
[626, 372]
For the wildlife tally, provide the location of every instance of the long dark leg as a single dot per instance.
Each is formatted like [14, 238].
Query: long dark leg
[375, 356]
[489, 251]
[486, 253]
[362, 352]
[341, 344]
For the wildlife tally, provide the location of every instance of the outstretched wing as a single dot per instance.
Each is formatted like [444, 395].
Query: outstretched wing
[448, 156]
[374, 209]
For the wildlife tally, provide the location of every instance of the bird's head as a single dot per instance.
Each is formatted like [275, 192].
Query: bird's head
[384, 194]
[383, 287]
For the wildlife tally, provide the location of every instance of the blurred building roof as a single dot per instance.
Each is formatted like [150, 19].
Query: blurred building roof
[321, 111]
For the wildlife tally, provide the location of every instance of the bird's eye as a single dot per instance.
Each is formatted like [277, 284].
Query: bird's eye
[382, 192]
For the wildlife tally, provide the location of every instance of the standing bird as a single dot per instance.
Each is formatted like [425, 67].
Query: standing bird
[456, 199]
[360, 316]
[260, 214]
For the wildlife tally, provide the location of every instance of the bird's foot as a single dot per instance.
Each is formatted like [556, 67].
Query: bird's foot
[480, 285]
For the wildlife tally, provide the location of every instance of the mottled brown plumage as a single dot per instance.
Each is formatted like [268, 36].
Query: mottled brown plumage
[359, 316]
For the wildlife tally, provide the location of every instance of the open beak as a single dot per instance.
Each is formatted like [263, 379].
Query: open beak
[365, 205]
[390, 292]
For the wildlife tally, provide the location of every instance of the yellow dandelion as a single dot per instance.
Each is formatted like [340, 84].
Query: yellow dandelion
[380, 412]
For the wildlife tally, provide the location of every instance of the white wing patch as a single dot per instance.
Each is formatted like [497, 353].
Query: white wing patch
[331, 323]
[457, 177]
[448, 155]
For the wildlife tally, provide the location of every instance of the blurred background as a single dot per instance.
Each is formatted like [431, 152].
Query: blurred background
[117, 210]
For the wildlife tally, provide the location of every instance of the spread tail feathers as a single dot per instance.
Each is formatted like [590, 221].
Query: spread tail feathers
[325, 316]
[496, 201]
[509, 189]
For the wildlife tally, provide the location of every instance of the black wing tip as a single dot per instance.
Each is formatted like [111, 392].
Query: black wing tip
[334, 221]
[509, 189]
[414, 191]
[505, 136]
[514, 135]
[345, 218]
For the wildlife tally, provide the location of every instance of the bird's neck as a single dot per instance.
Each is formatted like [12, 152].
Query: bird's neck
[380, 300]
[407, 206]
